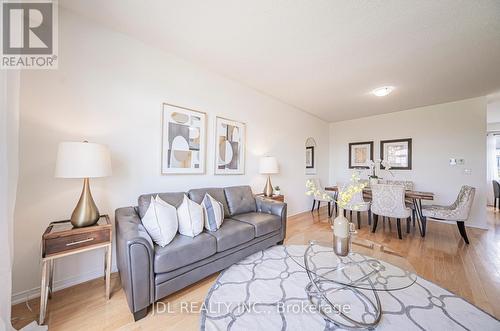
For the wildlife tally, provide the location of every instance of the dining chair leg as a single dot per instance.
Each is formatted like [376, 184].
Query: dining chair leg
[329, 209]
[413, 216]
[375, 221]
[369, 217]
[424, 225]
[408, 224]
[495, 203]
[398, 220]
[358, 217]
[350, 215]
[345, 213]
[319, 203]
[314, 204]
[461, 229]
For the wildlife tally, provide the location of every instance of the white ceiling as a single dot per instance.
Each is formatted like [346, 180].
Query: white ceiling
[325, 56]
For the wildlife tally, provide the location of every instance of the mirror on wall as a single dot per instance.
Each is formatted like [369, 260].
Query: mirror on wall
[311, 154]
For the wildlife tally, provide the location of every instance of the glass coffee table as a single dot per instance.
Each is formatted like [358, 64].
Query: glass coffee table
[345, 290]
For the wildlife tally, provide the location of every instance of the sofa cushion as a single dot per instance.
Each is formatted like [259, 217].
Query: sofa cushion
[191, 218]
[183, 250]
[232, 233]
[263, 223]
[197, 195]
[214, 213]
[240, 200]
[174, 199]
[160, 221]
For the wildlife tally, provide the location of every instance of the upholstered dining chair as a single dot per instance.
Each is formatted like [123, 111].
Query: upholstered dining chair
[359, 205]
[314, 189]
[496, 194]
[389, 201]
[409, 186]
[459, 211]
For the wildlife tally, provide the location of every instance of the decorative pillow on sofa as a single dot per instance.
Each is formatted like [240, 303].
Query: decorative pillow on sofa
[214, 213]
[190, 215]
[160, 221]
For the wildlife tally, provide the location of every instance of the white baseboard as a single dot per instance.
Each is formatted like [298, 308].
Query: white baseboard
[58, 285]
[469, 225]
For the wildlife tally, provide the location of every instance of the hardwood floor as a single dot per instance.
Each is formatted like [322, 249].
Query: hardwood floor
[471, 271]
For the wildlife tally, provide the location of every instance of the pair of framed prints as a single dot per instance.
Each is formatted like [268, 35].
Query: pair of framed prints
[184, 143]
[397, 153]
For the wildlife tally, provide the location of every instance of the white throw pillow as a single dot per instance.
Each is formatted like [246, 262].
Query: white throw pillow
[214, 213]
[160, 221]
[190, 215]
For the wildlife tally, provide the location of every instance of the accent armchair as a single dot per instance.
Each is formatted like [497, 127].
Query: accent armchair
[459, 211]
[496, 194]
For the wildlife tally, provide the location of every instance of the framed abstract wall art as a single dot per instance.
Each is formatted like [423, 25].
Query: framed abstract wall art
[359, 154]
[396, 153]
[309, 157]
[230, 143]
[183, 140]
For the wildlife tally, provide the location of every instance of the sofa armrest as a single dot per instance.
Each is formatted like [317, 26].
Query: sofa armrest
[273, 207]
[135, 253]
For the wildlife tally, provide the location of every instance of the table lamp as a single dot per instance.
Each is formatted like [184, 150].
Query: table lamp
[83, 160]
[268, 166]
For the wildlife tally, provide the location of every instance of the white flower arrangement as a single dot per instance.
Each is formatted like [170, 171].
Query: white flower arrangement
[375, 169]
[312, 190]
[346, 193]
[349, 191]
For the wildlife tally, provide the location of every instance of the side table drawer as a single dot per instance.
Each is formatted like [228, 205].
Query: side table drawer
[74, 241]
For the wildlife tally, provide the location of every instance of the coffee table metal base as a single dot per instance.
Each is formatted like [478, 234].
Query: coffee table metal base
[320, 289]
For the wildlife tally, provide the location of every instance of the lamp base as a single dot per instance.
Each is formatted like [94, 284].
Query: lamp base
[268, 189]
[86, 212]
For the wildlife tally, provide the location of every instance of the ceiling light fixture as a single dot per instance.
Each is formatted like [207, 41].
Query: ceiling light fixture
[383, 91]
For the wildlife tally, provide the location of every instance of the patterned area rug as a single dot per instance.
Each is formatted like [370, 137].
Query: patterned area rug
[266, 291]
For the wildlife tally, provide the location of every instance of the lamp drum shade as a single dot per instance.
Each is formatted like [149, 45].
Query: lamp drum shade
[82, 160]
[268, 165]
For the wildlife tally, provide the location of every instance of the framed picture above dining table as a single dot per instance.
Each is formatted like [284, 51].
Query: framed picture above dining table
[397, 153]
[360, 154]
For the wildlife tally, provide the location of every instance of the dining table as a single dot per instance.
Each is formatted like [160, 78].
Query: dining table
[415, 197]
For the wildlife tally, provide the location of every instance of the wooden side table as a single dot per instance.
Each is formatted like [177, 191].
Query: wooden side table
[61, 239]
[280, 198]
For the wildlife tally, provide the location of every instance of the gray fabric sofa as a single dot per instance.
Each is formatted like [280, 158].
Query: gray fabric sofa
[149, 272]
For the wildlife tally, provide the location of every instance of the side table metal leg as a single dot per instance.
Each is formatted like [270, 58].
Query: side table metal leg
[51, 277]
[43, 293]
[108, 272]
[105, 262]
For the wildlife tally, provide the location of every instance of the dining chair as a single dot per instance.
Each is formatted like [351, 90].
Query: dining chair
[409, 186]
[389, 201]
[359, 205]
[319, 194]
[459, 211]
[496, 192]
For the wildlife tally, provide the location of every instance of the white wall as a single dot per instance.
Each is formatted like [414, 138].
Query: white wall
[9, 165]
[109, 89]
[439, 132]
